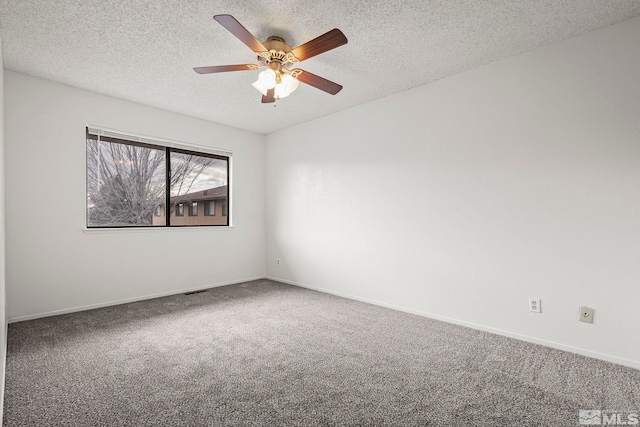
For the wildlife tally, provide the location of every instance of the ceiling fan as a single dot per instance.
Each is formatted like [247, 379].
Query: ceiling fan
[279, 80]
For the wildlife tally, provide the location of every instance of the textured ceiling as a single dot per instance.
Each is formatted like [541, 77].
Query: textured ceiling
[144, 50]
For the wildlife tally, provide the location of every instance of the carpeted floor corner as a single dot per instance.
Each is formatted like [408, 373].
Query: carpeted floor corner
[263, 353]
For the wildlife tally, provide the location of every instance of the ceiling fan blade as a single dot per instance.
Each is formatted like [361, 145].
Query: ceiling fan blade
[223, 68]
[236, 28]
[266, 99]
[318, 82]
[327, 41]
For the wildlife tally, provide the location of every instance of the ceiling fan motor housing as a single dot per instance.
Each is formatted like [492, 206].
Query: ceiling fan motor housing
[278, 55]
[277, 43]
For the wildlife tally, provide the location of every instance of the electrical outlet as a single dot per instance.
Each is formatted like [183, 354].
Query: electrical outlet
[586, 314]
[278, 262]
[535, 305]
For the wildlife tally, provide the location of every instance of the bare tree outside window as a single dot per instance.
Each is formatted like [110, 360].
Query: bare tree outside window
[126, 183]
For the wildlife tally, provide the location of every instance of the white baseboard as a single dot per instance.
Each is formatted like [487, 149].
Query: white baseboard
[126, 300]
[551, 344]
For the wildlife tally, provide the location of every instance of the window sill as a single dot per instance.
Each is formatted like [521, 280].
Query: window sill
[154, 229]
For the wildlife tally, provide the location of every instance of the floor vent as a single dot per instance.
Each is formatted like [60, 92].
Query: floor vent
[196, 292]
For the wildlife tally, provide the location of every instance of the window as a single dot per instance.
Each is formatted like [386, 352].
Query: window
[130, 181]
[210, 208]
[224, 208]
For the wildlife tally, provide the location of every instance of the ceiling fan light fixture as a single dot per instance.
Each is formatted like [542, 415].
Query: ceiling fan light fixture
[266, 80]
[260, 87]
[287, 85]
[290, 83]
[280, 91]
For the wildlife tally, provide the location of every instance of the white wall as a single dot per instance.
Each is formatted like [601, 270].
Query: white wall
[463, 198]
[3, 318]
[55, 266]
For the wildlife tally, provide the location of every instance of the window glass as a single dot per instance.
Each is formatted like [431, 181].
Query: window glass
[210, 208]
[199, 178]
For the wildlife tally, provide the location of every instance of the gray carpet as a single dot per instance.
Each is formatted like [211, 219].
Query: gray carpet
[264, 353]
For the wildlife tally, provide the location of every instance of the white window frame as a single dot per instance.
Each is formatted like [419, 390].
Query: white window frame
[163, 142]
